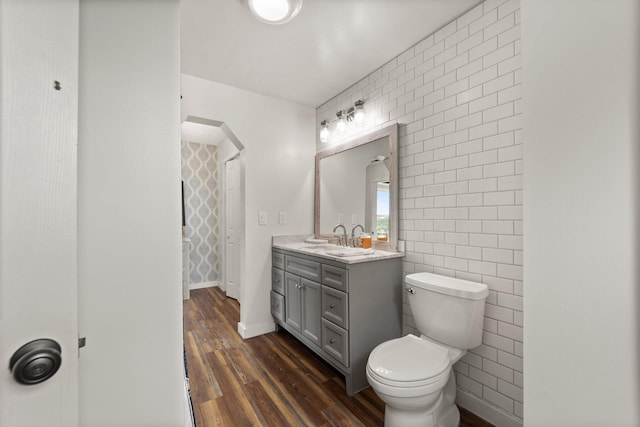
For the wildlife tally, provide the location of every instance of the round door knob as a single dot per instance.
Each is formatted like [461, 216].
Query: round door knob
[36, 361]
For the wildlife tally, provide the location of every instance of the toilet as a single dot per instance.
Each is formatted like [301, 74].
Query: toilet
[413, 375]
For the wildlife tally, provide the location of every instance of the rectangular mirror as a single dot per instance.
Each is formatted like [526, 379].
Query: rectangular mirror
[357, 183]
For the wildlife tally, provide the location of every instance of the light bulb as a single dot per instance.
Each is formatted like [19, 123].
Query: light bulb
[341, 126]
[358, 116]
[324, 132]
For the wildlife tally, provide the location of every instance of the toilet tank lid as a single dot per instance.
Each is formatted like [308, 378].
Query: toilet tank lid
[448, 285]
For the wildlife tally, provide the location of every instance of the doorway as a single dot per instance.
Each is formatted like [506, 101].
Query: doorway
[214, 199]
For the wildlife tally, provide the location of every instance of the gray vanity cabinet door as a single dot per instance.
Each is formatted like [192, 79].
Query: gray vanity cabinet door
[277, 306]
[293, 309]
[277, 280]
[311, 306]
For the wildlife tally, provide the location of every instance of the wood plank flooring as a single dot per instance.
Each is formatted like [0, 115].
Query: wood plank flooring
[269, 380]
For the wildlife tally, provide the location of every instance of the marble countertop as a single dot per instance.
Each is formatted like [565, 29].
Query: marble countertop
[330, 251]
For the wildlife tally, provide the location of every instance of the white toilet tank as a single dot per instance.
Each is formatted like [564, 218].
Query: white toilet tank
[446, 309]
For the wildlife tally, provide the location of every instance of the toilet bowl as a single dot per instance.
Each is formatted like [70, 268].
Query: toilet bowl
[413, 375]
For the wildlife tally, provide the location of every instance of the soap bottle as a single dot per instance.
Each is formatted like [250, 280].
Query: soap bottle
[366, 240]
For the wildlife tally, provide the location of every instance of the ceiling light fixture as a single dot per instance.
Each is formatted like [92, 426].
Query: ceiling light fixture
[274, 11]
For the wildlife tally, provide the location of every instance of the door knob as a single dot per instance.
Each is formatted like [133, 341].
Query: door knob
[36, 361]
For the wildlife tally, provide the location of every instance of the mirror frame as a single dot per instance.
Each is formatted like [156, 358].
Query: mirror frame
[390, 132]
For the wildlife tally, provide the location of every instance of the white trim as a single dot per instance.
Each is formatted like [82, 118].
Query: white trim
[204, 285]
[484, 410]
[188, 414]
[253, 331]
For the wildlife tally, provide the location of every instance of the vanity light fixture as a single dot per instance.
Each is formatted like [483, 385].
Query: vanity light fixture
[358, 116]
[324, 131]
[343, 117]
[341, 126]
[274, 11]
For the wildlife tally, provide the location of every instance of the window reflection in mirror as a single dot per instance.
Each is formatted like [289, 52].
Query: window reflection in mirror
[377, 191]
[382, 211]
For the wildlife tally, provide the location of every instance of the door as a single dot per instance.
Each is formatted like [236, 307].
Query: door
[311, 310]
[292, 301]
[38, 271]
[233, 223]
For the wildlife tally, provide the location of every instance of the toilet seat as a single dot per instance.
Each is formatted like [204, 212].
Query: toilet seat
[408, 362]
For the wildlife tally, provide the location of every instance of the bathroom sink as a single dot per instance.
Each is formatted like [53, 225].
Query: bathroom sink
[325, 247]
[342, 251]
[339, 251]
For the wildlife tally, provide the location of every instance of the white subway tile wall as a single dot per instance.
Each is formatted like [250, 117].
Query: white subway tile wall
[456, 96]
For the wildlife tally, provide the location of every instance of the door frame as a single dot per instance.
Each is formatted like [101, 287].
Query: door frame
[241, 152]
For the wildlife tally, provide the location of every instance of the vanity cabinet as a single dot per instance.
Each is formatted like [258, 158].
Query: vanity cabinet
[339, 310]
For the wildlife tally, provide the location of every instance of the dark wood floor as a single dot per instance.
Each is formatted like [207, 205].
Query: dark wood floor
[270, 380]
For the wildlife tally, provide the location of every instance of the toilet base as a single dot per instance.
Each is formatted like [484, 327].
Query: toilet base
[445, 417]
[448, 415]
[444, 413]
[401, 418]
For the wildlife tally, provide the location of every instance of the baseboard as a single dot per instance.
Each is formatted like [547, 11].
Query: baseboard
[255, 330]
[485, 410]
[203, 285]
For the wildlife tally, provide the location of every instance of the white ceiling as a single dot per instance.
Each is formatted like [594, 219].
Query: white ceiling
[328, 47]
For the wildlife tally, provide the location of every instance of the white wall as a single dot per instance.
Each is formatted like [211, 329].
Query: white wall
[129, 215]
[581, 72]
[456, 96]
[279, 154]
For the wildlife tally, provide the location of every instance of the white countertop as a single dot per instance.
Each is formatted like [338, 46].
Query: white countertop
[325, 250]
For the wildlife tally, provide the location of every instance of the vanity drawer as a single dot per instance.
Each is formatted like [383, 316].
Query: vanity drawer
[335, 342]
[277, 259]
[335, 277]
[277, 280]
[277, 306]
[335, 306]
[302, 267]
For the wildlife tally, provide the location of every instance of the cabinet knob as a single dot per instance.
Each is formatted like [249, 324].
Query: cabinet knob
[332, 306]
[332, 341]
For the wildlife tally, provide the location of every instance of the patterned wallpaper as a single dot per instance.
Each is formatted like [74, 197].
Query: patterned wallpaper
[200, 176]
